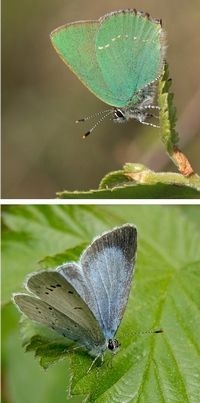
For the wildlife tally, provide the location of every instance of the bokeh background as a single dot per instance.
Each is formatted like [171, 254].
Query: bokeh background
[43, 150]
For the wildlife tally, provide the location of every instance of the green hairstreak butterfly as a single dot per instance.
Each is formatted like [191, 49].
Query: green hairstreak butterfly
[119, 58]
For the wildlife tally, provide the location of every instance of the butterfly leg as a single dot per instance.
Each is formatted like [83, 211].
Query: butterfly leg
[152, 107]
[93, 362]
[150, 124]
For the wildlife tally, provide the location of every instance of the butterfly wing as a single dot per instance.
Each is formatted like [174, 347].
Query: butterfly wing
[104, 279]
[75, 44]
[59, 306]
[129, 48]
[115, 56]
[43, 313]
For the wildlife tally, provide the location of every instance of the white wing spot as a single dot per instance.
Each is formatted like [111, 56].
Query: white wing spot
[124, 36]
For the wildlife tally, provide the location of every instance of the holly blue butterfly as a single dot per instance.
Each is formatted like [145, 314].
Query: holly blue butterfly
[85, 301]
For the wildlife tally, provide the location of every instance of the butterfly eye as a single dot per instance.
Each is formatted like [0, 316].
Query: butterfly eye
[118, 115]
[113, 344]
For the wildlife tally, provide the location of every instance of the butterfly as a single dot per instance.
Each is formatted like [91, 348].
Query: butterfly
[85, 301]
[119, 58]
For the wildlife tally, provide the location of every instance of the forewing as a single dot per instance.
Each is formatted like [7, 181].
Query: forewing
[130, 53]
[104, 279]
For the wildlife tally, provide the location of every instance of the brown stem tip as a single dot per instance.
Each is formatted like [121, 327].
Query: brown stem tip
[182, 162]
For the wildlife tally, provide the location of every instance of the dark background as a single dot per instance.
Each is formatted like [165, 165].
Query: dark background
[43, 150]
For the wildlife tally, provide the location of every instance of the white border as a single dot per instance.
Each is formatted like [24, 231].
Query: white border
[102, 202]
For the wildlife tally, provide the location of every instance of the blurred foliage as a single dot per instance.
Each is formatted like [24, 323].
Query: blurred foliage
[43, 150]
[165, 294]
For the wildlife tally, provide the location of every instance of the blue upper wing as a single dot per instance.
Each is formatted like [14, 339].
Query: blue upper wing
[103, 277]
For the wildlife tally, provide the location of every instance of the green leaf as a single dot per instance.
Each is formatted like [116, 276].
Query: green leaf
[157, 191]
[69, 255]
[24, 381]
[168, 117]
[31, 234]
[192, 214]
[165, 294]
[47, 345]
[136, 181]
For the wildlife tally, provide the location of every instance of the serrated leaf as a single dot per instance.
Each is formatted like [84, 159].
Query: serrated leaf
[34, 233]
[46, 344]
[137, 182]
[157, 191]
[168, 117]
[69, 255]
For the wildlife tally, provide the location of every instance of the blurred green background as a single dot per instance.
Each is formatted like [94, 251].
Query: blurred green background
[43, 150]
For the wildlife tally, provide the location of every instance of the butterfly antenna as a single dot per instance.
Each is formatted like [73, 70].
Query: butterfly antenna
[92, 116]
[151, 331]
[97, 123]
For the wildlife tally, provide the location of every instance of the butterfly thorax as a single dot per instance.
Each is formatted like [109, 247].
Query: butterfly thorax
[138, 106]
[97, 350]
